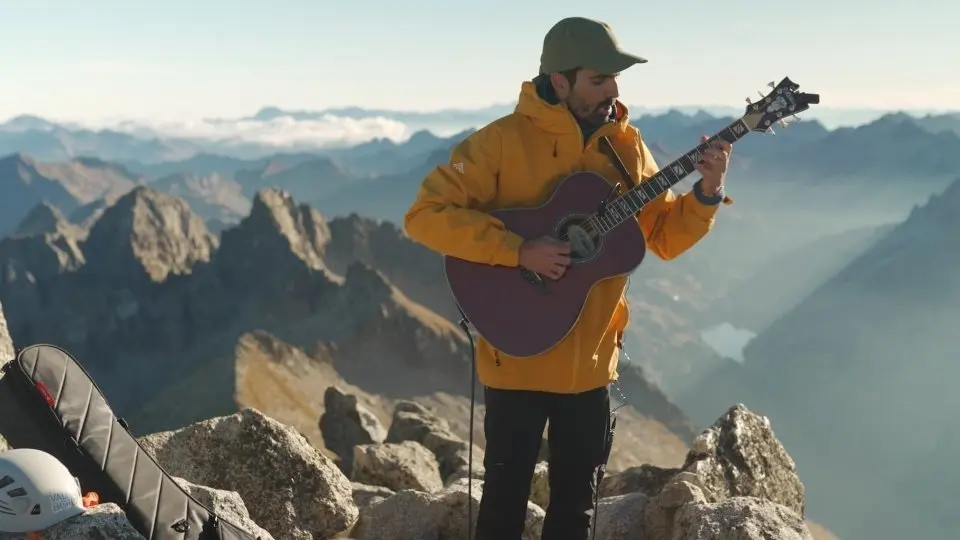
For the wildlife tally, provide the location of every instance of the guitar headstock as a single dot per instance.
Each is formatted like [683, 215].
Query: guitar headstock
[782, 102]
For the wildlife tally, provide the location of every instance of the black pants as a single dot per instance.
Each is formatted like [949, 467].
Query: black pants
[578, 437]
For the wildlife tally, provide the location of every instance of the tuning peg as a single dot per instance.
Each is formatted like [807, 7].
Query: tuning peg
[749, 102]
[772, 84]
[771, 131]
[761, 93]
[795, 118]
[783, 123]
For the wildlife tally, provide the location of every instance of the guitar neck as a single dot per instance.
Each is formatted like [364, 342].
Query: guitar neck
[631, 201]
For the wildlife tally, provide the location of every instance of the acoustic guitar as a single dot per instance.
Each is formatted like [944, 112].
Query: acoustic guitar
[521, 313]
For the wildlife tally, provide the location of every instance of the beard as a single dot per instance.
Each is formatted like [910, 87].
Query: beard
[594, 114]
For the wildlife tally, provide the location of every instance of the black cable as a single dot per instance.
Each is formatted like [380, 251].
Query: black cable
[473, 401]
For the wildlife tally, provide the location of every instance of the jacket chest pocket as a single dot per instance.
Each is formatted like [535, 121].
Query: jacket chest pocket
[531, 184]
[598, 163]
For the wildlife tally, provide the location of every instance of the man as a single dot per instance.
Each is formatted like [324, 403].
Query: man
[517, 160]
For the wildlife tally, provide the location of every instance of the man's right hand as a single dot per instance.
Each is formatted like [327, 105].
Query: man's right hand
[545, 256]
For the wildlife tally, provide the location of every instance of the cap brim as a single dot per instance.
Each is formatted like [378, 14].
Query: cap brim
[620, 61]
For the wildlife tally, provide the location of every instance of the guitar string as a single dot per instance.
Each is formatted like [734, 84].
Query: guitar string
[596, 224]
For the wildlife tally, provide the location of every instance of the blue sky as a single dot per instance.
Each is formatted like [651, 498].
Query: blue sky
[179, 60]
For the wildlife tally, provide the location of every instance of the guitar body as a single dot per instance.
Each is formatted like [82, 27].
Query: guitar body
[507, 306]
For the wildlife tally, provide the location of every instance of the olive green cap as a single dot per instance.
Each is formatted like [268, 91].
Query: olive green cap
[577, 42]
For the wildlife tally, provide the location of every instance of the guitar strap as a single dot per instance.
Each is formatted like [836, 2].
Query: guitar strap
[607, 147]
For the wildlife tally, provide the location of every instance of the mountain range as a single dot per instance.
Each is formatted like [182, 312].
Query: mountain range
[174, 271]
[780, 192]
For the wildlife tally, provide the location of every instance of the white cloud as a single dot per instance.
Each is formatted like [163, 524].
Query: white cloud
[327, 131]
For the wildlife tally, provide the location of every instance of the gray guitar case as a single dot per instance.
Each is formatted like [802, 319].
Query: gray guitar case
[49, 402]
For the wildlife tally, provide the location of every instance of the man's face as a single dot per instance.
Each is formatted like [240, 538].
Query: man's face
[591, 97]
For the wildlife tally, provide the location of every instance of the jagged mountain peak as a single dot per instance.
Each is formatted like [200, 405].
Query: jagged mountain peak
[156, 232]
[44, 218]
[274, 212]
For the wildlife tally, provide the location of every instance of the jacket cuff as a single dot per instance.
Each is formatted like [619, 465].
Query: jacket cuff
[703, 207]
[708, 200]
[509, 253]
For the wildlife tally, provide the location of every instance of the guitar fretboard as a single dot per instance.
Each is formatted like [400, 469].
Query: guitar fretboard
[630, 202]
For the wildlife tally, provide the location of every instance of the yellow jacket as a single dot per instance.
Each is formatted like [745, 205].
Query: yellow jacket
[518, 160]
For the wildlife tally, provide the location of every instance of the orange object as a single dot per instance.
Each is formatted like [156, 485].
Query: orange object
[90, 499]
[34, 536]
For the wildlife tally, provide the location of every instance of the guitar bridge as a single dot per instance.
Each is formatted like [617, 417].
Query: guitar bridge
[534, 279]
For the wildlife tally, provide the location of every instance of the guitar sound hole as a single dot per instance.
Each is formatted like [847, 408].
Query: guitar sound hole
[585, 241]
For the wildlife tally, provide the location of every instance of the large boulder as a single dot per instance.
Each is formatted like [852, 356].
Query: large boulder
[441, 515]
[413, 422]
[365, 494]
[398, 466]
[292, 489]
[739, 456]
[647, 479]
[740, 518]
[228, 505]
[737, 483]
[345, 424]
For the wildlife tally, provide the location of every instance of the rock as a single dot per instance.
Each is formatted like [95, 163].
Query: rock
[739, 518]
[100, 522]
[415, 515]
[737, 483]
[412, 422]
[623, 517]
[540, 485]
[661, 513]
[4, 445]
[684, 488]
[646, 479]
[6, 342]
[226, 504]
[398, 466]
[739, 455]
[681, 512]
[294, 491]
[365, 495]
[345, 423]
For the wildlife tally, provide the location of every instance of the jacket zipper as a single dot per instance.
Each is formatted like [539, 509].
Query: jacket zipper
[576, 339]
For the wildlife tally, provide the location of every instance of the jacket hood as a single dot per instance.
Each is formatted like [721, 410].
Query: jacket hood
[555, 117]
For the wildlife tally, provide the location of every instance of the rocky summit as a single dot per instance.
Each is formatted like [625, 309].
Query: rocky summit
[737, 483]
[409, 480]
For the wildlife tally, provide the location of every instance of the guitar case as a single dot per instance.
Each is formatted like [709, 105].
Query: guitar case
[50, 403]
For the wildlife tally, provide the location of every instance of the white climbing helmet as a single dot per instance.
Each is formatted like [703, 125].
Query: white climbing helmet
[36, 491]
